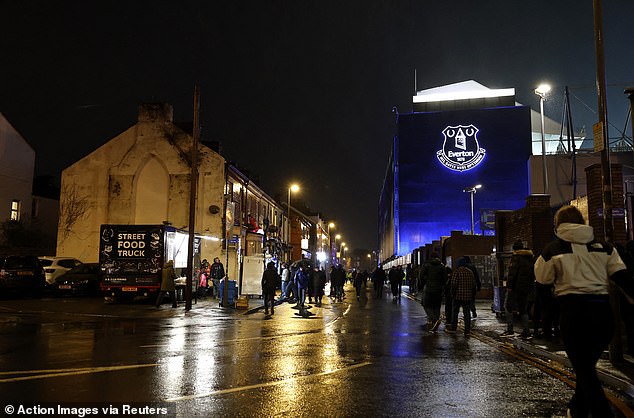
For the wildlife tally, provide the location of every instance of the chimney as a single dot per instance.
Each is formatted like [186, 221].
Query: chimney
[153, 112]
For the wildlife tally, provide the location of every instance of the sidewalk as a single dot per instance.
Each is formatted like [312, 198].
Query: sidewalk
[620, 376]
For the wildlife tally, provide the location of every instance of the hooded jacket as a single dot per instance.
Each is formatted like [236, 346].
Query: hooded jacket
[433, 276]
[521, 277]
[577, 264]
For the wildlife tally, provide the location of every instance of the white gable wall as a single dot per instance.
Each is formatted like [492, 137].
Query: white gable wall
[139, 177]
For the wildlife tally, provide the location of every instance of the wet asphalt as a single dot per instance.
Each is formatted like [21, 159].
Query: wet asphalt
[366, 357]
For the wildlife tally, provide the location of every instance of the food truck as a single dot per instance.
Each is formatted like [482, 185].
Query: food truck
[131, 257]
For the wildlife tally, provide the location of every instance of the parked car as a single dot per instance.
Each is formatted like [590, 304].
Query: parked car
[84, 279]
[21, 274]
[56, 266]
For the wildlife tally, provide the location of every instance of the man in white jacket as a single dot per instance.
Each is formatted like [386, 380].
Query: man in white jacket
[580, 269]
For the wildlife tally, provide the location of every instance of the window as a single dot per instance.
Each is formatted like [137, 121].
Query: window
[15, 210]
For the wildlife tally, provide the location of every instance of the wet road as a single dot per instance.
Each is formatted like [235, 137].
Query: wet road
[355, 358]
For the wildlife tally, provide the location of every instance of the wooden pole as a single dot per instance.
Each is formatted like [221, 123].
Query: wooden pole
[192, 201]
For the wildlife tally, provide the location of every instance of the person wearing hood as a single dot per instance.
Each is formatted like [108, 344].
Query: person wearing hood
[520, 283]
[580, 268]
[433, 277]
[270, 282]
[167, 284]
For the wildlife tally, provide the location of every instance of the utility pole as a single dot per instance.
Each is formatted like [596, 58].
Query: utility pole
[616, 345]
[192, 201]
[608, 224]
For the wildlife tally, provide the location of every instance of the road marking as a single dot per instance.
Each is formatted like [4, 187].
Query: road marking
[67, 372]
[268, 384]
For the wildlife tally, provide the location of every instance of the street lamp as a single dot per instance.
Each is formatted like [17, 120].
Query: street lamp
[330, 225]
[338, 236]
[292, 188]
[472, 191]
[542, 91]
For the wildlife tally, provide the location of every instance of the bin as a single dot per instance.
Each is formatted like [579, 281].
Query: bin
[231, 295]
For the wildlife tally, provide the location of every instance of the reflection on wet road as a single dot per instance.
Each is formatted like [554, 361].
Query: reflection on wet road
[355, 358]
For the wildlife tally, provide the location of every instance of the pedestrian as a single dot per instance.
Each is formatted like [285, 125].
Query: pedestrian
[470, 266]
[580, 268]
[520, 284]
[319, 283]
[433, 277]
[303, 278]
[270, 281]
[284, 281]
[463, 285]
[217, 273]
[378, 279]
[167, 284]
[395, 277]
[357, 281]
[338, 279]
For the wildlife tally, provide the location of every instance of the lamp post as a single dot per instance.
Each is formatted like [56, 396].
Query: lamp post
[330, 225]
[472, 191]
[542, 91]
[292, 188]
[338, 236]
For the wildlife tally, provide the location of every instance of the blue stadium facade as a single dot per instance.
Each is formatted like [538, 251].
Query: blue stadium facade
[436, 155]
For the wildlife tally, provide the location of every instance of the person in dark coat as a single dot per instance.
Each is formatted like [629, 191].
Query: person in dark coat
[303, 278]
[216, 272]
[378, 280]
[338, 279]
[433, 277]
[396, 277]
[357, 282]
[270, 281]
[319, 282]
[520, 284]
[167, 284]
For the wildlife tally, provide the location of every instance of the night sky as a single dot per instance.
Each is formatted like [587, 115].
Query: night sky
[295, 90]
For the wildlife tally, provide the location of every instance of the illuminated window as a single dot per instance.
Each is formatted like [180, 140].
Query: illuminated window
[15, 210]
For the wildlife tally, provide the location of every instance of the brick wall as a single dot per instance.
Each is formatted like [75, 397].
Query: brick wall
[595, 202]
[531, 224]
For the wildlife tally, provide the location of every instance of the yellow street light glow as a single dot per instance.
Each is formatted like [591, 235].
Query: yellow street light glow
[337, 236]
[331, 225]
[294, 188]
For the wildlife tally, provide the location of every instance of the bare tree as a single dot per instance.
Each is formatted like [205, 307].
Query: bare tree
[74, 207]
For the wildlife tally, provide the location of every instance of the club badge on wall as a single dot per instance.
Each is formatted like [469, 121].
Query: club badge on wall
[461, 150]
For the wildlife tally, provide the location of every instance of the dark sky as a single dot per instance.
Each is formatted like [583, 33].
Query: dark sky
[295, 90]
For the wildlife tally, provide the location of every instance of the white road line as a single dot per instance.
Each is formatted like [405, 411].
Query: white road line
[69, 372]
[262, 385]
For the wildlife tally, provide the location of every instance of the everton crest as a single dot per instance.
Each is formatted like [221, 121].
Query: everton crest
[460, 151]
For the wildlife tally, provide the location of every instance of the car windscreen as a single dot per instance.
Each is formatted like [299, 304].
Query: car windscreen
[15, 263]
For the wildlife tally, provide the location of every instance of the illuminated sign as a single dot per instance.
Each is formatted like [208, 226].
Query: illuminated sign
[460, 150]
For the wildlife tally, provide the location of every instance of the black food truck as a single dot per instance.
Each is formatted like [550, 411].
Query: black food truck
[131, 257]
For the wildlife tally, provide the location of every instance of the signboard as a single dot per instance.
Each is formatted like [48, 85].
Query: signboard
[131, 248]
[616, 212]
